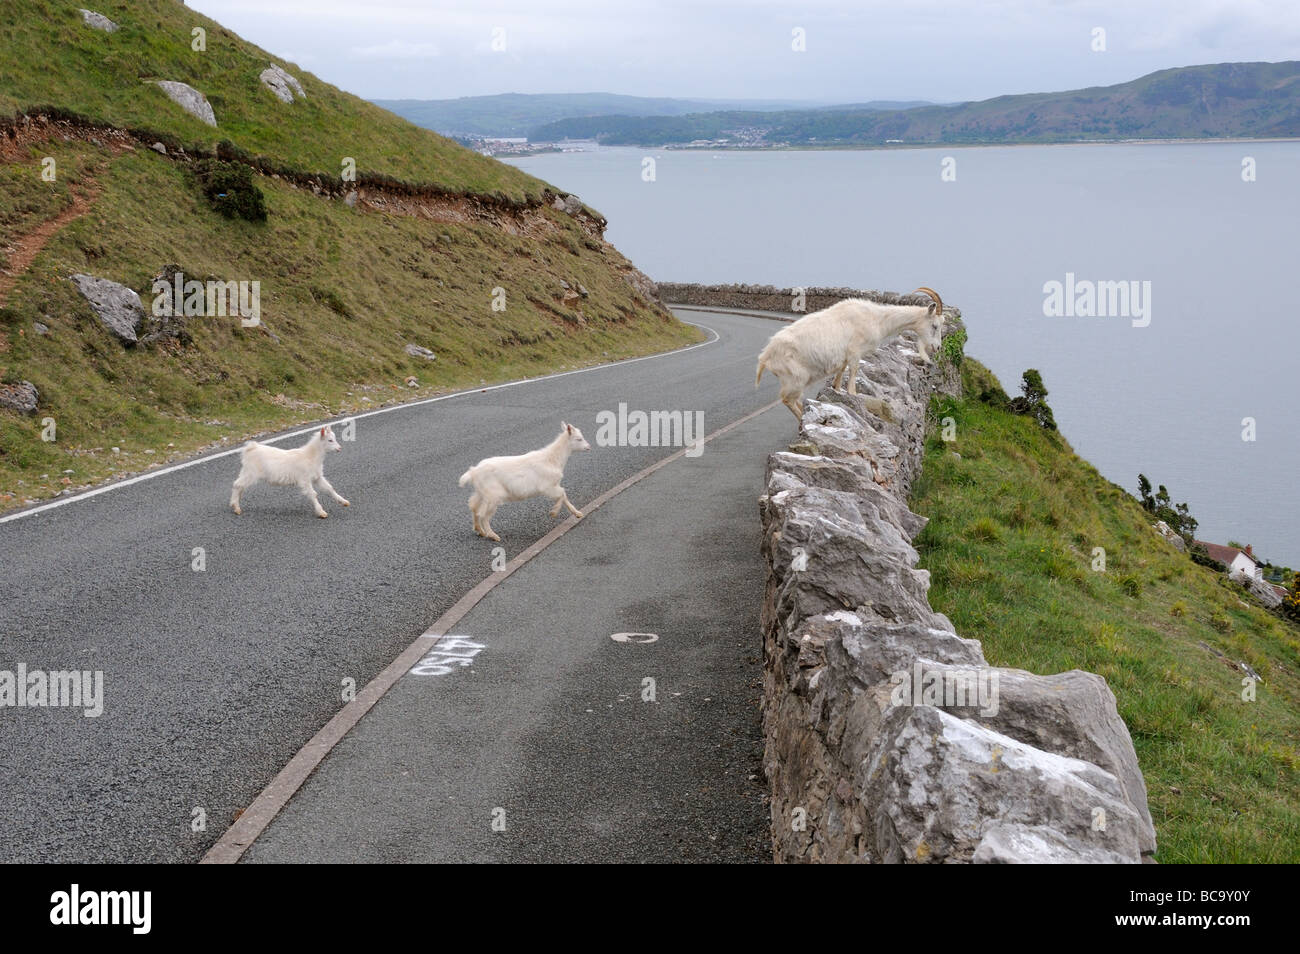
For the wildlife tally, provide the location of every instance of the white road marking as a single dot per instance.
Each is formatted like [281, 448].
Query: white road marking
[634, 637]
[442, 660]
[150, 475]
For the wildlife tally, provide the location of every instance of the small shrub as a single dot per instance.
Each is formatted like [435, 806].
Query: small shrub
[1220, 622]
[1291, 602]
[1131, 584]
[1202, 556]
[985, 530]
[230, 188]
[1033, 402]
[1178, 609]
[953, 348]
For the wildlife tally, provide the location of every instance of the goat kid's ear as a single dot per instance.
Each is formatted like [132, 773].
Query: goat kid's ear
[322, 432]
[567, 428]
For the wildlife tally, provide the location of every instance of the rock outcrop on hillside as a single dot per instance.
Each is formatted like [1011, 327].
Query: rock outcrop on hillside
[189, 99]
[888, 736]
[282, 83]
[21, 396]
[117, 307]
[97, 21]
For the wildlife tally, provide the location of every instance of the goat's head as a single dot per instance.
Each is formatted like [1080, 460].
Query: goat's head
[576, 440]
[931, 331]
[328, 439]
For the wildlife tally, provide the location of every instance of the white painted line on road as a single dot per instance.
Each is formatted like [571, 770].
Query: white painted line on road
[250, 823]
[150, 475]
[634, 637]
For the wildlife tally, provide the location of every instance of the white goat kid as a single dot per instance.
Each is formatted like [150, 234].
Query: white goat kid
[301, 467]
[835, 339]
[535, 474]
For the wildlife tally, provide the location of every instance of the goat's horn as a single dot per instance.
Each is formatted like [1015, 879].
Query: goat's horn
[933, 294]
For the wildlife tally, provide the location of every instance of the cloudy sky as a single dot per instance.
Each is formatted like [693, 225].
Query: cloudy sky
[942, 50]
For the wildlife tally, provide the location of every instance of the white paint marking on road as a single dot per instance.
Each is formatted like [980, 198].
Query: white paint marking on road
[634, 637]
[442, 660]
[150, 475]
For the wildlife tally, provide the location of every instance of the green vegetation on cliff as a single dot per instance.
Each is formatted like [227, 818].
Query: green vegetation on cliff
[1015, 522]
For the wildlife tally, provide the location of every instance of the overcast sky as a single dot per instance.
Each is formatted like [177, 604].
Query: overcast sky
[942, 50]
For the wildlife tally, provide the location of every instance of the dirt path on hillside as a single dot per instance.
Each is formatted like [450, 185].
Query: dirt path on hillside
[23, 251]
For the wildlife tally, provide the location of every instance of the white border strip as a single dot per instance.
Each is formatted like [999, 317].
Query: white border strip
[150, 475]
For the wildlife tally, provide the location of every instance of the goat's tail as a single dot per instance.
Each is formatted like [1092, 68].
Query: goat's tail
[248, 446]
[761, 368]
[465, 477]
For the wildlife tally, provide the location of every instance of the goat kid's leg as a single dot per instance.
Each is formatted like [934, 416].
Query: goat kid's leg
[474, 501]
[310, 493]
[562, 500]
[851, 369]
[236, 492]
[485, 520]
[325, 486]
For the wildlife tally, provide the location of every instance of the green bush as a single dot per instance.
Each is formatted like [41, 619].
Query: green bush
[1291, 602]
[1033, 403]
[230, 188]
[954, 347]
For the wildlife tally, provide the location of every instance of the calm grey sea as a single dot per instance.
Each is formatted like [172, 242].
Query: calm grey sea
[1221, 340]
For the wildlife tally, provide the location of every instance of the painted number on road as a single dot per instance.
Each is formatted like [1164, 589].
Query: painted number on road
[449, 654]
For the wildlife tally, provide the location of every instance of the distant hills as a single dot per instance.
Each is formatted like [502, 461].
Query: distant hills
[1226, 100]
[516, 114]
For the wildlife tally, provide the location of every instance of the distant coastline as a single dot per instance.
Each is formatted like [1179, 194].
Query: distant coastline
[559, 147]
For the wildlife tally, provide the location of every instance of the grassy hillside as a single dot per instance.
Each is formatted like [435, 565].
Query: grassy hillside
[1220, 101]
[47, 56]
[1013, 523]
[343, 289]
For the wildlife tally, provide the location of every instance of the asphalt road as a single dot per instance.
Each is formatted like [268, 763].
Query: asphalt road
[551, 728]
[214, 679]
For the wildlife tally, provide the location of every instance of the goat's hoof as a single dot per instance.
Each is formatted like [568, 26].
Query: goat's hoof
[237, 511]
[322, 515]
[493, 536]
[578, 515]
[345, 503]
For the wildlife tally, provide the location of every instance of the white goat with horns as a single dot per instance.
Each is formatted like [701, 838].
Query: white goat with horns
[835, 339]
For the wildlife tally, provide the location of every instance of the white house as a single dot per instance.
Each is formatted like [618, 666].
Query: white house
[1239, 562]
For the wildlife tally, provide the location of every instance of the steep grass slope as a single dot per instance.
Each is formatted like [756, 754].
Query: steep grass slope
[1015, 516]
[48, 57]
[344, 289]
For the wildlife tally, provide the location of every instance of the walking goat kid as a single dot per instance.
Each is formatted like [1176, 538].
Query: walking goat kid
[537, 473]
[301, 467]
[835, 339]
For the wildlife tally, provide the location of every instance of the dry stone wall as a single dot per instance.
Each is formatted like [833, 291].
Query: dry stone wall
[889, 738]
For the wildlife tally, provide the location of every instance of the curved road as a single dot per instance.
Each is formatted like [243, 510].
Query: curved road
[214, 679]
